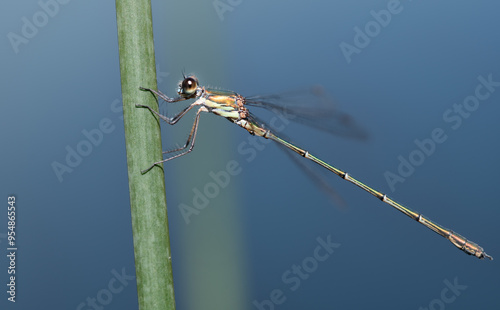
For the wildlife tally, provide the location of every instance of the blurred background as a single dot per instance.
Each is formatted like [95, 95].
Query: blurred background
[267, 238]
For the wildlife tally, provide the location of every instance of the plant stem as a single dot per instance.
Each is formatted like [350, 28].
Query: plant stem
[155, 286]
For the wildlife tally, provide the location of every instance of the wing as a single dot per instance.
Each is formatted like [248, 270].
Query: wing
[305, 166]
[313, 108]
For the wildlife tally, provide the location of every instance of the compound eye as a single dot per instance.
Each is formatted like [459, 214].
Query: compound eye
[188, 86]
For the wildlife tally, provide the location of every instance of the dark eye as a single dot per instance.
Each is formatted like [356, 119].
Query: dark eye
[188, 86]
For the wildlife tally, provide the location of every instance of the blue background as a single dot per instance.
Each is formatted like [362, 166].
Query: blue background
[74, 234]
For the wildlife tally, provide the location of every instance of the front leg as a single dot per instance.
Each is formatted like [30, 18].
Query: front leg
[161, 95]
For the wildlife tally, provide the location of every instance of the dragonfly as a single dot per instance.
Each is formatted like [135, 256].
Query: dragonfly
[234, 107]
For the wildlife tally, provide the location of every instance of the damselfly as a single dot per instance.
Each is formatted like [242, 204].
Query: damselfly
[233, 107]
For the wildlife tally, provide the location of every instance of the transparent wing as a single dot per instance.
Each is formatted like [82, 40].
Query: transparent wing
[313, 108]
[306, 167]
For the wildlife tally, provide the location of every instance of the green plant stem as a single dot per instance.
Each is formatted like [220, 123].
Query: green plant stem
[155, 286]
